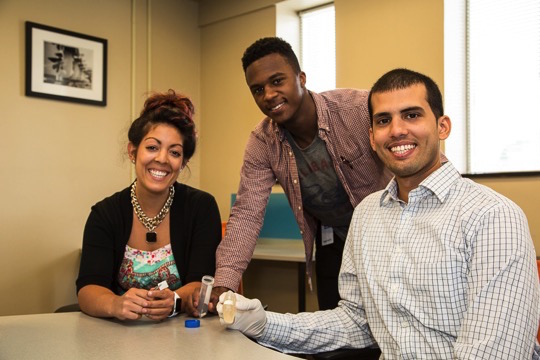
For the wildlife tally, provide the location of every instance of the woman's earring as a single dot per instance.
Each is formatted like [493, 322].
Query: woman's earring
[133, 161]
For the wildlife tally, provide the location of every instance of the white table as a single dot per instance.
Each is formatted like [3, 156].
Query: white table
[79, 336]
[285, 250]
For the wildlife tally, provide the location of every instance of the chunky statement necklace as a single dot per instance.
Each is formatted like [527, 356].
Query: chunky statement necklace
[151, 223]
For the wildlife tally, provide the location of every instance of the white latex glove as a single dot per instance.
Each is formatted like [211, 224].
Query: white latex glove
[250, 316]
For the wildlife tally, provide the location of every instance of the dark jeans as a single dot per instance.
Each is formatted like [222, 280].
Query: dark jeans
[327, 264]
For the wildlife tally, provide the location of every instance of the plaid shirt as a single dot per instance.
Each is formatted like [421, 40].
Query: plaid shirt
[343, 122]
[450, 275]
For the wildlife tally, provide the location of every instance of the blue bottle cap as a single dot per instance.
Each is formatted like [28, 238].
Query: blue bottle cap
[192, 323]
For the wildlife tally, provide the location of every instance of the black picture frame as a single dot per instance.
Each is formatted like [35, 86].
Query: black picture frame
[65, 65]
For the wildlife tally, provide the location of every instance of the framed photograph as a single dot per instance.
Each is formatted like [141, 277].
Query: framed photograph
[65, 65]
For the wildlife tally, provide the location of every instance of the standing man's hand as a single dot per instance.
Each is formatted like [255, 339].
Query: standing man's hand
[193, 301]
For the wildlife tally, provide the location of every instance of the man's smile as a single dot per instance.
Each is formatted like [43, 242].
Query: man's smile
[401, 150]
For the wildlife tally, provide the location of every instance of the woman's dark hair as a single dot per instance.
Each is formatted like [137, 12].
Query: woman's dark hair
[270, 45]
[171, 109]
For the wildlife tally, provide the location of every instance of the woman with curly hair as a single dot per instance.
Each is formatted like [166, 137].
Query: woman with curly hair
[154, 232]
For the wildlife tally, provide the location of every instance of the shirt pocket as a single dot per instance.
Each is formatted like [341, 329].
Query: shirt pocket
[362, 171]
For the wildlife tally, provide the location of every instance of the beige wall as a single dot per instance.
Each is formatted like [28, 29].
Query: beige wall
[228, 110]
[176, 61]
[372, 37]
[228, 116]
[375, 36]
[524, 192]
[59, 158]
[363, 54]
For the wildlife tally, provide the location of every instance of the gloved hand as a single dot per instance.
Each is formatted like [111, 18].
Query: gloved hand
[250, 316]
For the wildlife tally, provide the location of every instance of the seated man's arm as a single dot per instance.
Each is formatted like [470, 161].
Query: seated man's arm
[502, 316]
[343, 327]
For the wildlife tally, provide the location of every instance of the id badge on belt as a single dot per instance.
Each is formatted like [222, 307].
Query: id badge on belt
[327, 235]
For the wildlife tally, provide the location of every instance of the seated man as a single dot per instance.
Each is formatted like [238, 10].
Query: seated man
[435, 266]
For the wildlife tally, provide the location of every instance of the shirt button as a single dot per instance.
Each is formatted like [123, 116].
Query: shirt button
[404, 323]
[301, 232]
[299, 208]
[290, 153]
[294, 181]
[394, 287]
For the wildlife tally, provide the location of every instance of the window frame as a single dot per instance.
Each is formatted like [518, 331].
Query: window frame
[456, 94]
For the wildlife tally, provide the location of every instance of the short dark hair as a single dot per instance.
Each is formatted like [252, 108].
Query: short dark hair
[171, 109]
[403, 78]
[270, 45]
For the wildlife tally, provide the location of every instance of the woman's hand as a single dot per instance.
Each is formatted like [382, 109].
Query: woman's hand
[100, 301]
[156, 304]
[131, 305]
[160, 304]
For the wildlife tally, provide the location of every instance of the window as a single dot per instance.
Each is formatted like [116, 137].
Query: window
[318, 47]
[492, 85]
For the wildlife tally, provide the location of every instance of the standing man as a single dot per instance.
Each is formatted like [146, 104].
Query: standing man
[435, 266]
[316, 146]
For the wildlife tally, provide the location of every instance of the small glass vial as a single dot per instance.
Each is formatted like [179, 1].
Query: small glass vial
[229, 307]
[207, 283]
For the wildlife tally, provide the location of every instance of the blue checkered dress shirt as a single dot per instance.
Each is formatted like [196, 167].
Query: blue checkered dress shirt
[449, 275]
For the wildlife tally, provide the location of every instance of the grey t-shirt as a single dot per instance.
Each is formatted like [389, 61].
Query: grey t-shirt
[323, 195]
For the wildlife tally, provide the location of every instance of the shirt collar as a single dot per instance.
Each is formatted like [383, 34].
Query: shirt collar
[322, 109]
[437, 183]
[322, 120]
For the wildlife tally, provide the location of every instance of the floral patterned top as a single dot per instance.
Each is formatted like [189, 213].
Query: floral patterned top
[145, 269]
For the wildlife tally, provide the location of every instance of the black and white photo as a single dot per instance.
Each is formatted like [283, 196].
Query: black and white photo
[65, 65]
